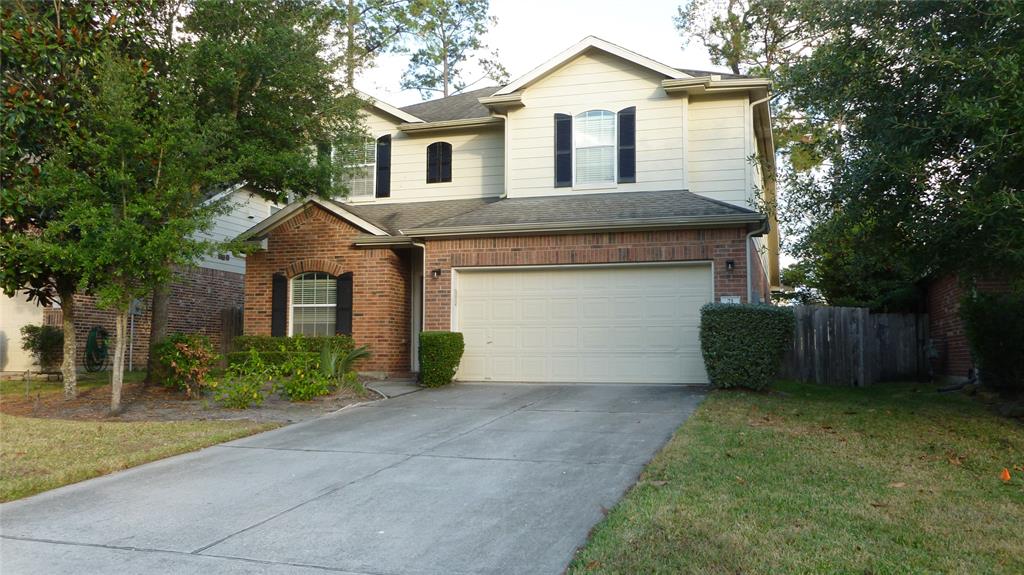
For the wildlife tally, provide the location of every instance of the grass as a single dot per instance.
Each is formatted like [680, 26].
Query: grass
[85, 381]
[41, 454]
[888, 479]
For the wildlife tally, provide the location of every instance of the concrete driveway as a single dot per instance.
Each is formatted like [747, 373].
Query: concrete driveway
[474, 478]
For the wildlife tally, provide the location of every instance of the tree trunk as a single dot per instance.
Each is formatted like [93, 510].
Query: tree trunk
[350, 44]
[117, 370]
[67, 364]
[157, 328]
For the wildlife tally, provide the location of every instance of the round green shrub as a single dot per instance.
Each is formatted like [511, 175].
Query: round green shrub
[185, 361]
[743, 344]
[440, 354]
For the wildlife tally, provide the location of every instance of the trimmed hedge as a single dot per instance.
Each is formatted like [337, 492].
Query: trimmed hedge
[273, 358]
[995, 331]
[278, 351]
[264, 343]
[743, 344]
[440, 354]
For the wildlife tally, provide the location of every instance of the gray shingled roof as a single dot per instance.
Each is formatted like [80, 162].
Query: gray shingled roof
[457, 107]
[395, 217]
[591, 207]
[465, 105]
[724, 75]
[565, 209]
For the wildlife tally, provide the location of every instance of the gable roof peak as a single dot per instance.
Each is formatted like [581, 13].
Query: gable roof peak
[590, 42]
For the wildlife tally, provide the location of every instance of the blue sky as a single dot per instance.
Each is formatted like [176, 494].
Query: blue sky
[531, 31]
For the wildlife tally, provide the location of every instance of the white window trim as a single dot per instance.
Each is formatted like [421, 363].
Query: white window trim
[373, 174]
[614, 183]
[291, 300]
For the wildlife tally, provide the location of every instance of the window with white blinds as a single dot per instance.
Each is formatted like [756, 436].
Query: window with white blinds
[594, 142]
[363, 165]
[314, 302]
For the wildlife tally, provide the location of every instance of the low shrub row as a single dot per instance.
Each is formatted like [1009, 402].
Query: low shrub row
[266, 343]
[743, 344]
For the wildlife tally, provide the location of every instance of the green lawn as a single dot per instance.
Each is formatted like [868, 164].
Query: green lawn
[889, 479]
[85, 381]
[41, 454]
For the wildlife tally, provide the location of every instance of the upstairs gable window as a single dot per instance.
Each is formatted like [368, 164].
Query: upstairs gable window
[594, 143]
[595, 149]
[439, 162]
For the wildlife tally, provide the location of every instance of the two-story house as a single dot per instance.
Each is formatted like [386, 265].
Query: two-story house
[570, 224]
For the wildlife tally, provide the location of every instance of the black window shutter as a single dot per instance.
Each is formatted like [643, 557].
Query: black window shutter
[433, 163]
[627, 145]
[383, 167]
[563, 150]
[279, 306]
[343, 310]
[446, 162]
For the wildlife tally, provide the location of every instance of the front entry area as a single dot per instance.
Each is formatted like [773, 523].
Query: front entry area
[630, 323]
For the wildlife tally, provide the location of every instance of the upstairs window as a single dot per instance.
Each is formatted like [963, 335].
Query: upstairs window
[594, 143]
[595, 149]
[363, 167]
[439, 162]
[314, 301]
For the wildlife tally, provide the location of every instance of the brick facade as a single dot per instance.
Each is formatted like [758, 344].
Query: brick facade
[946, 329]
[197, 297]
[714, 245]
[318, 241]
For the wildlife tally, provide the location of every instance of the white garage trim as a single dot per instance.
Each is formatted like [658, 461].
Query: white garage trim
[634, 313]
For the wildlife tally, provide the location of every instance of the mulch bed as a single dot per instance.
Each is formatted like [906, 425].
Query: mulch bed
[157, 403]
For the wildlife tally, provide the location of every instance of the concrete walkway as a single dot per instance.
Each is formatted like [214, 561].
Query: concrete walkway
[485, 478]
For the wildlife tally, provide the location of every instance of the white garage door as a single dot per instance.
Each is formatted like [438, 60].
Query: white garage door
[632, 323]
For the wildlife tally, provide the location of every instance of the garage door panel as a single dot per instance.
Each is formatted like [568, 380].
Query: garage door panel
[601, 324]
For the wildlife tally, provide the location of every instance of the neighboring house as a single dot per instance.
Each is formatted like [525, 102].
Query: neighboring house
[949, 349]
[570, 224]
[198, 294]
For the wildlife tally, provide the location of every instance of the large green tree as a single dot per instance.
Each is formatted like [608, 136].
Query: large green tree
[266, 73]
[49, 53]
[366, 29]
[449, 33]
[921, 167]
[120, 180]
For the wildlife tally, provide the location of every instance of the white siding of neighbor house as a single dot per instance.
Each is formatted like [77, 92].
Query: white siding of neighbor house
[597, 81]
[247, 210]
[720, 144]
[15, 312]
[478, 162]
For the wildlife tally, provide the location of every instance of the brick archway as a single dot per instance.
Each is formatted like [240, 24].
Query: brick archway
[315, 265]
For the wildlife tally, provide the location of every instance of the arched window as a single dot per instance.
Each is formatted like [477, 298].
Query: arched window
[314, 301]
[594, 143]
[439, 162]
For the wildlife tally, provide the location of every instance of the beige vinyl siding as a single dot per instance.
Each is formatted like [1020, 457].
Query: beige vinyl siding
[720, 139]
[16, 312]
[596, 81]
[246, 211]
[478, 162]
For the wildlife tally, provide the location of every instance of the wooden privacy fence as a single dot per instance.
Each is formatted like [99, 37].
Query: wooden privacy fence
[230, 326]
[850, 346]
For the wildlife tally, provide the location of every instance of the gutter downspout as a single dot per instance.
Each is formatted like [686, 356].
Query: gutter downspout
[504, 132]
[415, 362]
[765, 227]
